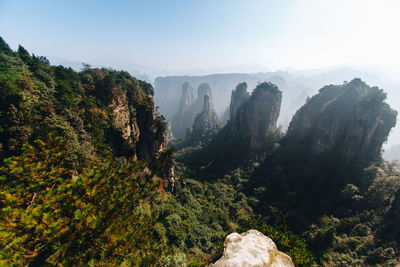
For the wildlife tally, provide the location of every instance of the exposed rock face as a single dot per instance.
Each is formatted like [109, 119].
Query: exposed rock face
[205, 121]
[168, 134]
[189, 108]
[187, 97]
[224, 116]
[151, 138]
[351, 119]
[238, 97]
[138, 132]
[196, 107]
[178, 123]
[204, 89]
[122, 119]
[257, 115]
[252, 248]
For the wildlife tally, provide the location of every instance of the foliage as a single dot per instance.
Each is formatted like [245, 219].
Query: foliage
[201, 216]
[68, 200]
[73, 191]
[52, 216]
[287, 242]
[343, 224]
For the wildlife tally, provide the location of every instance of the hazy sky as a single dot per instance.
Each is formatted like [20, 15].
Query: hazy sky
[180, 34]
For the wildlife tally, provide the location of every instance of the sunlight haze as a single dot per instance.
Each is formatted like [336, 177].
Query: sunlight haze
[179, 35]
[196, 133]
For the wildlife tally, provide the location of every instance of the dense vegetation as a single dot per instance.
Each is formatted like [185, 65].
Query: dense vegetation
[103, 215]
[345, 211]
[70, 191]
[74, 191]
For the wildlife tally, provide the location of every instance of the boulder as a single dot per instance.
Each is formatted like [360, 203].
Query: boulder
[252, 248]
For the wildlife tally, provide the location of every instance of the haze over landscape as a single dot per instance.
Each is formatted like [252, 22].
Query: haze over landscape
[213, 36]
[152, 39]
[199, 133]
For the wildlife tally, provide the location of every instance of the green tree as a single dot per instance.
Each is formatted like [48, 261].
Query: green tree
[52, 216]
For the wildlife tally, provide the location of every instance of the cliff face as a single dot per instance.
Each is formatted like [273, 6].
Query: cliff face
[189, 108]
[187, 97]
[168, 134]
[137, 132]
[123, 121]
[203, 90]
[167, 88]
[97, 112]
[205, 120]
[238, 97]
[143, 133]
[257, 115]
[179, 123]
[351, 119]
[252, 248]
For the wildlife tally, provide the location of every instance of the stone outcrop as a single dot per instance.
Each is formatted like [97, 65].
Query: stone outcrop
[122, 120]
[253, 118]
[224, 116]
[351, 120]
[179, 123]
[238, 97]
[252, 248]
[138, 133]
[204, 89]
[196, 107]
[187, 97]
[205, 121]
[168, 134]
[189, 108]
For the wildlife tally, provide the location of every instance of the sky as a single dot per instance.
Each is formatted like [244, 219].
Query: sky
[181, 34]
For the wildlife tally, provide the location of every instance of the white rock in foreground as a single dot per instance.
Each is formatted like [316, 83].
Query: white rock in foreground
[252, 248]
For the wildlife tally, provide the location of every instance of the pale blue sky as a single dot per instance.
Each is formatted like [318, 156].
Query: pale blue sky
[181, 34]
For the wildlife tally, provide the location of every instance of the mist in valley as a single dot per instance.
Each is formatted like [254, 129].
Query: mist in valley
[296, 85]
[199, 133]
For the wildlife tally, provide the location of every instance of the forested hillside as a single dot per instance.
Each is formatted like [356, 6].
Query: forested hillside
[86, 176]
[325, 180]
